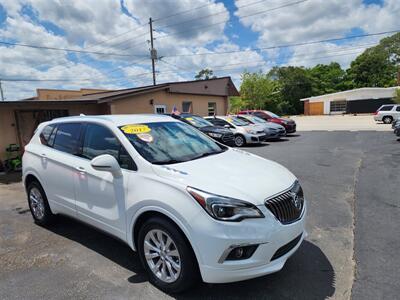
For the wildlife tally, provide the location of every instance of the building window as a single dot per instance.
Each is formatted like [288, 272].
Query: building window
[160, 109]
[212, 108]
[338, 106]
[187, 106]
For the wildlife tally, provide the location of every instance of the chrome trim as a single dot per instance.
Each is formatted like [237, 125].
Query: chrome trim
[231, 247]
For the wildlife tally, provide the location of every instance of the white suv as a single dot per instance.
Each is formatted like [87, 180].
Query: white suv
[191, 207]
[387, 113]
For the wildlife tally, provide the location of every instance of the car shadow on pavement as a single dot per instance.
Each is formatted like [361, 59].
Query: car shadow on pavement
[102, 243]
[308, 274]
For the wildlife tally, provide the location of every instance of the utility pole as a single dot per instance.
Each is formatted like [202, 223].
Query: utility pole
[1, 92]
[153, 52]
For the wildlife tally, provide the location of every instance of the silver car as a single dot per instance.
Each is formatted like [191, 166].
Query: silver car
[387, 113]
[273, 130]
[245, 133]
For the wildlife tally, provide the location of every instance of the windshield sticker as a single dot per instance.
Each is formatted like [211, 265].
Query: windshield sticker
[229, 120]
[189, 119]
[145, 137]
[135, 129]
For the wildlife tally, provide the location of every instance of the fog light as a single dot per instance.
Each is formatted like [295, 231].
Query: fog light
[241, 252]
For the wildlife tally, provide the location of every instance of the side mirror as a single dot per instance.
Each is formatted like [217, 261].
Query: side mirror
[227, 126]
[106, 163]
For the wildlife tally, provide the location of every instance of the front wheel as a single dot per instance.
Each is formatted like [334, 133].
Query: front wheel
[167, 257]
[239, 141]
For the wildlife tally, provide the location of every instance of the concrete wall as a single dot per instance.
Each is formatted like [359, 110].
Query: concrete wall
[141, 103]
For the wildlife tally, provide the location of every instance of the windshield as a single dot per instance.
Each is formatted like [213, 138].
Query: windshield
[198, 121]
[271, 114]
[237, 121]
[169, 142]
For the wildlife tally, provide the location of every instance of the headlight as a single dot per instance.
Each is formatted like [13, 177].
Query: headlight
[225, 208]
[251, 131]
[215, 135]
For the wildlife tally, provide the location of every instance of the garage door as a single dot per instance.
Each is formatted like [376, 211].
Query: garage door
[316, 108]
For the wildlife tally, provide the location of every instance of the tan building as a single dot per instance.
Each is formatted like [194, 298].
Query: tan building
[19, 119]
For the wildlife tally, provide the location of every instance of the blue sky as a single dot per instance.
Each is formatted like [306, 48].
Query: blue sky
[228, 26]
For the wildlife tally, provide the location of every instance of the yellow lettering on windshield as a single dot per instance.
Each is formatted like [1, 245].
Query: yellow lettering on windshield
[135, 128]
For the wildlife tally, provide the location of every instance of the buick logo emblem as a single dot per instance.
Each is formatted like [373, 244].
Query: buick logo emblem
[296, 201]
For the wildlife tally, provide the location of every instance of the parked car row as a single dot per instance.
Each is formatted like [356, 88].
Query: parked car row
[247, 127]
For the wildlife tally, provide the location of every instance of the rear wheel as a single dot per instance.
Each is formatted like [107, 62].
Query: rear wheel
[387, 120]
[239, 141]
[167, 256]
[38, 204]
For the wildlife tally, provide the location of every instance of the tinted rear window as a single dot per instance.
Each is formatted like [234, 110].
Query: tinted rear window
[67, 137]
[386, 108]
[45, 134]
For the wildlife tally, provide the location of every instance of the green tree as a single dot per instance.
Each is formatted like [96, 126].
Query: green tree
[327, 79]
[258, 91]
[205, 74]
[397, 96]
[377, 66]
[295, 83]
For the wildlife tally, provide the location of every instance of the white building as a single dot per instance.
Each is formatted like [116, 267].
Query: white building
[362, 100]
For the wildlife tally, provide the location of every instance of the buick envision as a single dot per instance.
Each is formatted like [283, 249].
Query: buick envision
[191, 207]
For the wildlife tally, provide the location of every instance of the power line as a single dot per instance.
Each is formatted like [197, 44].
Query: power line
[286, 45]
[214, 14]
[67, 50]
[242, 17]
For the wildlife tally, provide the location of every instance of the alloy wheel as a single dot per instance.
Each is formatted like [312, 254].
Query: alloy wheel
[37, 203]
[239, 141]
[162, 255]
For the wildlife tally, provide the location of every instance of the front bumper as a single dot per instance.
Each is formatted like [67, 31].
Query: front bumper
[290, 128]
[268, 233]
[255, 138]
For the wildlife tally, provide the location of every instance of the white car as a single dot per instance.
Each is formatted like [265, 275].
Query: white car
[245, 133]
[191, 207]
[275, 131]
[387, 113]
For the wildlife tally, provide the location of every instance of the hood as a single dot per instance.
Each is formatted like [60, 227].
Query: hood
[233, 173]
[214, 129]
[274, 125]
[290, 121]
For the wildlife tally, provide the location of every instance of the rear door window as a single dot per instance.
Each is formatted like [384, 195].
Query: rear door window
[386, 108]
[67, 137]
[398, 108]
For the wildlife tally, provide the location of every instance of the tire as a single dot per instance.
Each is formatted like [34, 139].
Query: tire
[387, 120]
[188, 274]
[239, 140]
[38, 204]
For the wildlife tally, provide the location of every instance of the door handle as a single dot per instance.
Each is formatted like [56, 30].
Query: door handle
[81, 170]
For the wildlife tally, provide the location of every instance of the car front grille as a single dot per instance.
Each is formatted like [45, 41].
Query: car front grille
[284, 207]
[227, 137]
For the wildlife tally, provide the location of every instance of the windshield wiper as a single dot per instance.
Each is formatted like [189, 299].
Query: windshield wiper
[207, 154]
[168, 162]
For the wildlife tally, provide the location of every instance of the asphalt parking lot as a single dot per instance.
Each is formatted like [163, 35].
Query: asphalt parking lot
[352, 186]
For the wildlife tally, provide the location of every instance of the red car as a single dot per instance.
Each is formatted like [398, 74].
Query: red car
[289, 124]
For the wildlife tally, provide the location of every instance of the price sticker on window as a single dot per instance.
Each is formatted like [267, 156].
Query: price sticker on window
[135, 129]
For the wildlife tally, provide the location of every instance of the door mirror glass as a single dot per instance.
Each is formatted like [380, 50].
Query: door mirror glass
[106, 163]
[227, 126]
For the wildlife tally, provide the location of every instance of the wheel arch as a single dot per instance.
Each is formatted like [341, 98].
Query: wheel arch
[149, 212]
